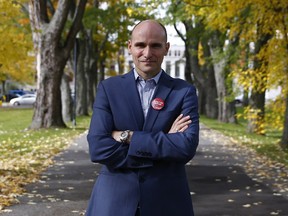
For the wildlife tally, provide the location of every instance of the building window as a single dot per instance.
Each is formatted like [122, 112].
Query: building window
[168, 67]
[177, 69]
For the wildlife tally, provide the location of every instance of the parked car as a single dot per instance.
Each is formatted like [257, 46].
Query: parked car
[8, 97]
[17, 91]
[27, 99]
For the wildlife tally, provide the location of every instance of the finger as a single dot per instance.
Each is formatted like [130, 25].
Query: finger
[183, 128]
[176, 120]
[181, 118]
[180, 122]
[186, 123]
[185, 118]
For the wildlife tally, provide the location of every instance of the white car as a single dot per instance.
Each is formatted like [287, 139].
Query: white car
[27, 99]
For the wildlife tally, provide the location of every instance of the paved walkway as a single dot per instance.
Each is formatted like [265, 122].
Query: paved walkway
[221, 183]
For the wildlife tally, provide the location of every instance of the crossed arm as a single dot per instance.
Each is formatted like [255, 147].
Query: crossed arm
[180, 124]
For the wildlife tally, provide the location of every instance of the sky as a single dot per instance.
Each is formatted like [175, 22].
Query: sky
[173, 37]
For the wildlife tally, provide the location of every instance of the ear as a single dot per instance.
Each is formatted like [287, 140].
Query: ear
[129, 46]
[167, 46]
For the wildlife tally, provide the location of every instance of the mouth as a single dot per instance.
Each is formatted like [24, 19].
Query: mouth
[147, 61]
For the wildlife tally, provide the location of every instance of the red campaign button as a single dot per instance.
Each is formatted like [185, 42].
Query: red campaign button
[157, 104]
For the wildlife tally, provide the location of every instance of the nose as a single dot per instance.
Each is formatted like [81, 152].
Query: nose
[147, 52]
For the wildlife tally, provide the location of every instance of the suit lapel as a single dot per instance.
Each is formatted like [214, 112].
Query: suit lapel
[163, 89]
[133, 99]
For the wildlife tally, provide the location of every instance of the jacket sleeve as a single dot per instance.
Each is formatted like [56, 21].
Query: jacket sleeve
[102, 147]
[180, 147]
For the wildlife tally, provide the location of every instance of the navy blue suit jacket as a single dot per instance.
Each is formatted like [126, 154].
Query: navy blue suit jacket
[150, 171]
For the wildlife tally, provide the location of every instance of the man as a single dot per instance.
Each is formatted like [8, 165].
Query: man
[144, 129]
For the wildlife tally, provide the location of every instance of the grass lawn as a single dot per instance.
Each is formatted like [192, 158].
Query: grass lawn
[267, 145]
[26, 153]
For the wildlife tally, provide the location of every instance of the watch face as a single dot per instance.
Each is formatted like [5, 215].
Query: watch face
[124, 134]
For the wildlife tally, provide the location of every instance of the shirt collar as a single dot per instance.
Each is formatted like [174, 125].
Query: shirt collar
[155, 78]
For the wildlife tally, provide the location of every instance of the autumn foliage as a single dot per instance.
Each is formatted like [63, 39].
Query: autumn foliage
[16, 56]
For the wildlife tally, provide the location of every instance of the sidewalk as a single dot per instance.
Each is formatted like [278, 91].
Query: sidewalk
[219, 185]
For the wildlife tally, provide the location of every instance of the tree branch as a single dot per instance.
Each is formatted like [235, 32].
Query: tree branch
[74, 29]
[43, 11]
[51, 7]
[59, 19]
[179, 33]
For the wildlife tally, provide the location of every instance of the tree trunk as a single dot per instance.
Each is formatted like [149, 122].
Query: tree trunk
[203, 76]
[81, 93]
[96, 64]
[257, 99]
[256, 113]
[284, 139]
[211, 106]
[215, 48]
[201, 99]
[3, 87]
[188, 69]
[226, 107]
[48, 108]
[221, 90]
[120, 61]
[92, 80]
[209, 81]
[102, 67]
[91, 69]
[67, 103]
[245, 99]
[52, 51]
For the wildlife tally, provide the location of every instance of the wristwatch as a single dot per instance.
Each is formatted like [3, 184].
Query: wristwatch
[124, 136]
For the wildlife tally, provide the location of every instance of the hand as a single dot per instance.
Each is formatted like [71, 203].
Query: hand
[180, 124]
[116, 135]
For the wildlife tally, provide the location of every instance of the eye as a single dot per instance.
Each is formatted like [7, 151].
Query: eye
[140, 45]
[157, 45]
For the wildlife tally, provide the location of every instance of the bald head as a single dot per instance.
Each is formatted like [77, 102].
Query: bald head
[150, 24]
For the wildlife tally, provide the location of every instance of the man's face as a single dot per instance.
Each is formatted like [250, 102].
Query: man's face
[148, 47]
